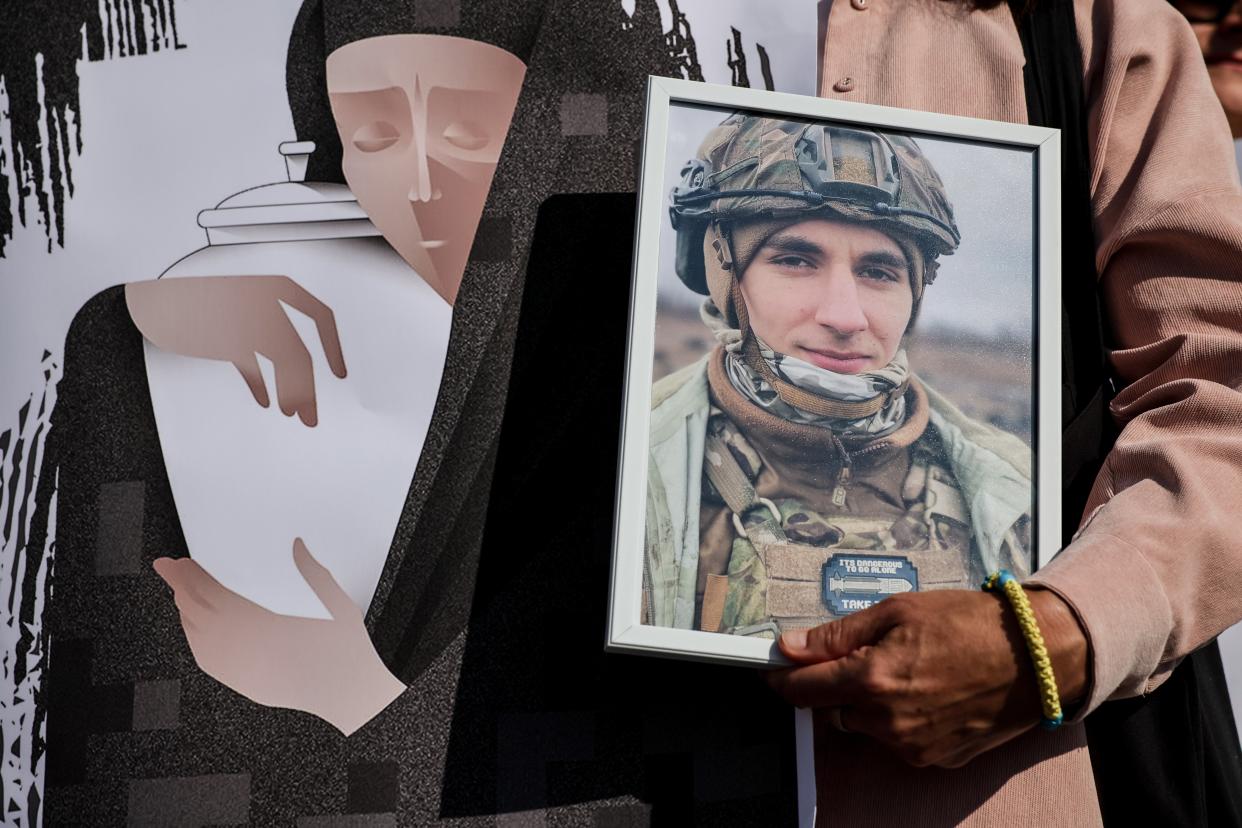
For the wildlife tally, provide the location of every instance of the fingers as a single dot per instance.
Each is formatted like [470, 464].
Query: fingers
[325, 321]
[249, 369]
[241, 315]
[193, 611]
[827, 684]
[197, 591]
[835, 716]
[295, 377]
[838, 638]
[335, 600]
[178, 573]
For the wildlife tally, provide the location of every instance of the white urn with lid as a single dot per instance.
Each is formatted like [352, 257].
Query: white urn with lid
[248, 480]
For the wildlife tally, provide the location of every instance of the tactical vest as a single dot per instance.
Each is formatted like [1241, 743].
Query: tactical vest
[791, 566]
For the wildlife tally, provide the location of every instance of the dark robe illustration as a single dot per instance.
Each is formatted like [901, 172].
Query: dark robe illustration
[145, 722]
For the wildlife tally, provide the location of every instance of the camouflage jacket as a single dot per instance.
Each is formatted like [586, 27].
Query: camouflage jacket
[992, 471]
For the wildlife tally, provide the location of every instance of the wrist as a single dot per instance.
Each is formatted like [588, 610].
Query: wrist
[1066, 642]
[365, 697]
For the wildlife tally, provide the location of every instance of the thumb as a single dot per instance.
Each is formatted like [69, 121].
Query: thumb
[839, 638]
[335, 600]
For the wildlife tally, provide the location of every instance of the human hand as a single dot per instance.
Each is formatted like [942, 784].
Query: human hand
[938, 676]
[328, 668]
[233, 318]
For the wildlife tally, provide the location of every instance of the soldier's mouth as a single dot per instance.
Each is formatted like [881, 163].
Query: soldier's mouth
[842, 362]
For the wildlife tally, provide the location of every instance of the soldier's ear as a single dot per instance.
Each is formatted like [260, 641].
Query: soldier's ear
[914, 316]
[918, 289]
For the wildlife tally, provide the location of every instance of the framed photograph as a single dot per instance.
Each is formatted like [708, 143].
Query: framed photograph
[844, 368]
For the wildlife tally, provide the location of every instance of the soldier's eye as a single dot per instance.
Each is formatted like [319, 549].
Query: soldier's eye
[879, 274]
[789, 261]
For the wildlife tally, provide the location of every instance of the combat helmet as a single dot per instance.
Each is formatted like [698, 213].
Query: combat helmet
[751, 168]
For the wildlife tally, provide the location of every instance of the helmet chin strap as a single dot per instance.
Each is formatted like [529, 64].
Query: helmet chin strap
[793, 395]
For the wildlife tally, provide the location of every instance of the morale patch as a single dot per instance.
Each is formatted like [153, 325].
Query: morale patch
[855, 582]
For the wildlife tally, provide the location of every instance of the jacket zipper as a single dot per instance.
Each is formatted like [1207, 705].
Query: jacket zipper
[847, 461]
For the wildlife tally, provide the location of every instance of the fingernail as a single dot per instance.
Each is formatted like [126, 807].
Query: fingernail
[794, 639]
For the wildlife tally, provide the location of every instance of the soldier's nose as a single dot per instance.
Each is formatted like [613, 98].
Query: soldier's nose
[839, 307]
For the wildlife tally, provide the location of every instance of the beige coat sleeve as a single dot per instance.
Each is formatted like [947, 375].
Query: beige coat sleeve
[1156, 571]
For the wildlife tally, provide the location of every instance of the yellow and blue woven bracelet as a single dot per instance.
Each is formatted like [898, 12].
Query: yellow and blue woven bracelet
[1004, 582]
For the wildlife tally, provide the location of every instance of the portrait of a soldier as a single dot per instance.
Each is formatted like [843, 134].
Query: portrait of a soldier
[801, 470]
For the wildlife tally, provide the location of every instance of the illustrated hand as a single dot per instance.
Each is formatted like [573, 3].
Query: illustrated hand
[233, 318]
[938, 676]
[328, 668]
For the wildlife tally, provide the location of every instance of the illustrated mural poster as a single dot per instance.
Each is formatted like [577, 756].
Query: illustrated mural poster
[282, 446]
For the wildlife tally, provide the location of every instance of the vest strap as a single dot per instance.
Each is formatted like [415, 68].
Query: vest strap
[723, 470]
[714, 595]
[795, 599]
[795, 562]
[943, 498]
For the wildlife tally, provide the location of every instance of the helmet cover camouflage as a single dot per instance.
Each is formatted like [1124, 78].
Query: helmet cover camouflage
[757, 168]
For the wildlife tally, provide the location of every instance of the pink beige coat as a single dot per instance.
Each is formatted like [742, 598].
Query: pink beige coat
[1155, 570]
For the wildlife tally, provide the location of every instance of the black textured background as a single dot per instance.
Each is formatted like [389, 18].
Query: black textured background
[512, 706]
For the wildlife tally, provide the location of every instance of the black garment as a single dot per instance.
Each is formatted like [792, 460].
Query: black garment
[701, 744]
[1172, 757]
[526, 713]
[543, 719]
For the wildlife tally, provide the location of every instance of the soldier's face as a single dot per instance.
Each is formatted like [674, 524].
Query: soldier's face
[833, 293]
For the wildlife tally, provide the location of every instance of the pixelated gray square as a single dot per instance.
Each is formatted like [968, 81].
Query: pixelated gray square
[536, 818]
[623, 816]
[584, 114]
[157, 705]
[184, 801]
[118, 536]
[437, 14]
[738, 773]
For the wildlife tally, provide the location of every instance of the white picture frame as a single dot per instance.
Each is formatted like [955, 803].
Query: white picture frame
[625, 632]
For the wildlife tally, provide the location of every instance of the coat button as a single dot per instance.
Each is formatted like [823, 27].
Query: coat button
[861, 5]
[846, 84]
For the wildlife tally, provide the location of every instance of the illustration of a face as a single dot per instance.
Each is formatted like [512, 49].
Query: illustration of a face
[833, 293]
[422, 120]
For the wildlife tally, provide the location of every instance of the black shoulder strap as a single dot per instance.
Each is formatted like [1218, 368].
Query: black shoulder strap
[1054, 95]
[1171, 757]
